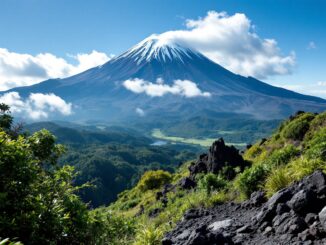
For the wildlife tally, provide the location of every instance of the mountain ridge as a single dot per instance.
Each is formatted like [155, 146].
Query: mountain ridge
[100, 92]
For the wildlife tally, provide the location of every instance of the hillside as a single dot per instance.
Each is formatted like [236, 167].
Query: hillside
[295, 150]
[111, 158]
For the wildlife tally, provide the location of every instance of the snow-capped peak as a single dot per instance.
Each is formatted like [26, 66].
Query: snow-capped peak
[160, 48]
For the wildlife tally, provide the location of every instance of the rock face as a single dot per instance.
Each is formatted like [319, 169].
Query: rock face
[218, 157]
[294, 215]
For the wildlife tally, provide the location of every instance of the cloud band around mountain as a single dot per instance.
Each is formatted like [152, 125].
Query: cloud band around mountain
[231, 41]
[184, 88]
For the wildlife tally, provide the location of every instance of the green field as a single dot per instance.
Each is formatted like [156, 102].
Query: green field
[205, 142]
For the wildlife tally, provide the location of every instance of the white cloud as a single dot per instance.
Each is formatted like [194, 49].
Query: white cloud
[315, 89]
[18, 69]
[232, 42]
[311, 45]
[36, 106]
[140, 111]
[184, 88]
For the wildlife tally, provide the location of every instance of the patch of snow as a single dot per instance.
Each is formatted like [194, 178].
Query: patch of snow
[159, 48]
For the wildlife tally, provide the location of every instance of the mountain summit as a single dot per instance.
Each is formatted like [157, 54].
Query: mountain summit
[161, 78]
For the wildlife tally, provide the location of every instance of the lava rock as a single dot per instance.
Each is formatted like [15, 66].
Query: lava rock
[257, 198]
[282, 208]
[322, 217]
[303, 201]
[288, 217]
[311, 218]
[187, 183]
[218, 157]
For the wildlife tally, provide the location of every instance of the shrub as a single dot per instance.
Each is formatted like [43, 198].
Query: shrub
[212, 182]
[277, 180]
[149, 236]
[251, 179]
[282, 156]
[316, 147]
[109, 228]
[303, 166]
[318, 122]
[154, 180]
[297, 128]
[253, 152]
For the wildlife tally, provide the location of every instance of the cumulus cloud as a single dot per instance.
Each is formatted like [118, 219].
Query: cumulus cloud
[231, 41]
[184, 88]
[36, 106]
[140, 111]
[18, 69]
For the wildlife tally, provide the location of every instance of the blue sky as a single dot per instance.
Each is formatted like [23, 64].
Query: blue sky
[79, 27]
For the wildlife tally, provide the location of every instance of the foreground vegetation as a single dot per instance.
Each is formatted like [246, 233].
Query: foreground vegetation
[296, 149]
[40, 199]
[38, 202]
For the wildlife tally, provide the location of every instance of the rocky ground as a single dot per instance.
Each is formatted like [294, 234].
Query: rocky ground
[294, 215]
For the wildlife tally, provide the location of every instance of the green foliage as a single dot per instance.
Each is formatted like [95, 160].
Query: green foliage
[114, 167]
[281, 156]
[149, 236]
[251, 179]
[316, 147]
[277, 180]
[297, 128]
[42, 144]
[154, 179]
[304, 166]
[111, 229]
[253, 152]
[5, 118]
[39, 203]
[212, 182]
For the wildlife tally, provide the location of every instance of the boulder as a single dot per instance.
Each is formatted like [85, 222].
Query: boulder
[219, 156]
[322, 217]
[303, 201]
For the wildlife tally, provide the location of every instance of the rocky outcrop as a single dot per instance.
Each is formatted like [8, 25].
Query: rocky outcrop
[294, 215]
[218, 157]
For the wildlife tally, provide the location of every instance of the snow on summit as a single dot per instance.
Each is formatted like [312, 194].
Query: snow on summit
[160, 48]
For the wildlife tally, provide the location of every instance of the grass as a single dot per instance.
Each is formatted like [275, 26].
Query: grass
[205, 142]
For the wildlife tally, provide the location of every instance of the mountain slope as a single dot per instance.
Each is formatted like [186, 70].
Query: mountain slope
[200, 194]
[101, 92]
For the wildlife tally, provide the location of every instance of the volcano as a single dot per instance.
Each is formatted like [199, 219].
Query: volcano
[160, 78]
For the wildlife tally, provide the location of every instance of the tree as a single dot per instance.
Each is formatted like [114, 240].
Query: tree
[38, 203]
[5, 118]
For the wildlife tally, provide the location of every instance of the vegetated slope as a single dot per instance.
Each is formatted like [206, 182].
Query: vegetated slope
[112, 159]
[295, 150]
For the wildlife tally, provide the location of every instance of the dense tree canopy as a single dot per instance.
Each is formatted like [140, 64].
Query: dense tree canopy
[38, 202]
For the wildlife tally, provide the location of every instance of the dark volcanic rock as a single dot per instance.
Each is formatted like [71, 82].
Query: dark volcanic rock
[218, 156]
[187, 183]
[288, 217]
